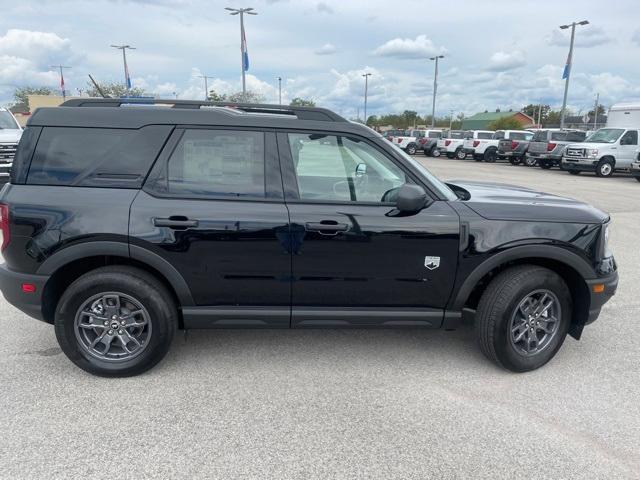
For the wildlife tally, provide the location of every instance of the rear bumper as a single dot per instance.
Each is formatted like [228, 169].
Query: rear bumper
[610, 283]
[11, 285]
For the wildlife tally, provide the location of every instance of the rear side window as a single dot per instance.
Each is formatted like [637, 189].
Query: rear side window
[96, 157]
[485, 135]
[217, 163]
[576, 136]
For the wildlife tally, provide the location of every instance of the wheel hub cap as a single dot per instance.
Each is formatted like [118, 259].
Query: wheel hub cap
[112, 326]
[535, 322]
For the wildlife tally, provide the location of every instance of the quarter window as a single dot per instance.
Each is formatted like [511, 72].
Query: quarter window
[337, 168]
[217, 163]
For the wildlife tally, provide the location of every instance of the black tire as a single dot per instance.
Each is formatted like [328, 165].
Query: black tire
[574, 172]
[530, 161]
[490, 155]
[451, 155]
[545, 164]
[514, 161]
[435, 152]
[499, 303]
[411, 149]
[138, 284]
[460, 154]
[605, 168]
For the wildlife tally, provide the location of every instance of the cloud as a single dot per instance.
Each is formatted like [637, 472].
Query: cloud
[588, 36]
[421, 47]
[326, 49]
[40, 48]
[503, 61]
[324, 8]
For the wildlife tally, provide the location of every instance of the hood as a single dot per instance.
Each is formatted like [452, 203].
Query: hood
[10, 136]
[496, 201]
[591, 145]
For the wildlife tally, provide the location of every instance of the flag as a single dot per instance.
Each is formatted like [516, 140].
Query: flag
[567, 69]
[62, 83]
[126, 74]
[245, 53]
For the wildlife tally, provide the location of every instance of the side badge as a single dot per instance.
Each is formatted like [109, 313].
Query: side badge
[431, 262]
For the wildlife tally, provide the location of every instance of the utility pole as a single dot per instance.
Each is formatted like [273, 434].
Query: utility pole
[64, 91]
[366, 91]
[127, 77]
[244, 54]
[450, 119]
[206, 86]
[567, 69]
[435, 89]
[595, 112]
[279, 90]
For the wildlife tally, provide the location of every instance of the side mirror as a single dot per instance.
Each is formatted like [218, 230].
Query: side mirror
[411, 198]
[361, 170]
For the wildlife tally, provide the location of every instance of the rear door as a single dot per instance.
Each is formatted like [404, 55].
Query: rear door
[213, 209]
[355, 262]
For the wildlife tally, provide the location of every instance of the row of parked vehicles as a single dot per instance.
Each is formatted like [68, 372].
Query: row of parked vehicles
[604, 151]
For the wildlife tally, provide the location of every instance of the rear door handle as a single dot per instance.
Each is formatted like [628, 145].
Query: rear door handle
[327, 227]
[176, 222]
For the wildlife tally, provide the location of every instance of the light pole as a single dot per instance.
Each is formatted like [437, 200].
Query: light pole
[567, 68]
[244, 55]
[206, 86]
[127, 78]
[595, 112]
[64, 92]
[279, 90]
[435, 90]
[366, 91]
[450, 119]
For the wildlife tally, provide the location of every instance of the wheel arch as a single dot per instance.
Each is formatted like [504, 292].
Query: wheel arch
[68, 264]
[572, 269]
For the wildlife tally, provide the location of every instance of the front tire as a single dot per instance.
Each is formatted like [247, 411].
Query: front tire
[523, 317]
[490, 155]
[116, 321]
[411, 149]
[530, 161]
[604, 168]
[461, 154]
[545, 164]
[435, 152]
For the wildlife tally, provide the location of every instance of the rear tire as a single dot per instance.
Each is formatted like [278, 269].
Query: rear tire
[530, 161]
[491, 155]
[411, 149]
[605, 168]
[509, 325]
[94, 305]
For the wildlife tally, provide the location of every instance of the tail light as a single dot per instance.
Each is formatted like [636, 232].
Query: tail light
[447, 142]
[514, 144]
[4, 226]
[422, 141]
[476, 143]
[399, 140]
[551, 146]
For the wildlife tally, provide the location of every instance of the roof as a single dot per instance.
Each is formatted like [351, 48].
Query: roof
[127, 113]
[491, 116]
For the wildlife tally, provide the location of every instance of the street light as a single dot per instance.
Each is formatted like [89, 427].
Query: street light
[279, 90]
[127, 78]
[567, 68]
[435, 90]
[206, 86]
[244, 55]
[366, 90]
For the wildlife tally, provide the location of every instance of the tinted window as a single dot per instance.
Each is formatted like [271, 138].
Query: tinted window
[435, 134]
[560, 136]
[347, 169]
[498, 135]
[217, 162]
[540, 136]
[576, 136]
[629, 138]
[96, 157]
[485, 135]
[7, 121]
[520, 136]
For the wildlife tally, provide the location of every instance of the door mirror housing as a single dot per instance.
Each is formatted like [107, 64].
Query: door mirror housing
[411, 198]
[361, 170]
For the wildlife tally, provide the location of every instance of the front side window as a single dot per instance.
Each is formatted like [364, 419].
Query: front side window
[337, 168]
[217, 163]
[629, 138]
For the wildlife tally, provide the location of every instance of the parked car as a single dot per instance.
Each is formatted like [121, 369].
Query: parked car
[156, 219]
[409, 141]
[390, 134]
[429, 142]
[10, 133]
[547, 146]
[635, 168]
[450, 143]
[604, 152]
[475, 143]
[513, 144]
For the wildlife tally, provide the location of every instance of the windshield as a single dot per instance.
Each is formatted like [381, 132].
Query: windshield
[445, 191]
[605, 135]
[7, 122]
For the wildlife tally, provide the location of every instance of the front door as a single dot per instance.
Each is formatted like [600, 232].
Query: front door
[628, 150]
[213, 209]
[355, 261]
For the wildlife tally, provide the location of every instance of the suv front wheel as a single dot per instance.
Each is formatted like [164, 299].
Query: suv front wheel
[523, 317]
[116, 321]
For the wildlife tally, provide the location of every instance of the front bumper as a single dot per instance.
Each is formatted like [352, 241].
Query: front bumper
[11, 284]
[610, 283]
[544, 156]
[586, 164]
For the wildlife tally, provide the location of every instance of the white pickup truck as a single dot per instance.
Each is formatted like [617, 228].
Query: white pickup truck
[409, 142]
[10, 133]
[476, 142]
[451, 143]
[487, 149]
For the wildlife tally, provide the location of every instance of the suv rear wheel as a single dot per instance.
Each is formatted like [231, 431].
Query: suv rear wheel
[523, 317]
[116, 321]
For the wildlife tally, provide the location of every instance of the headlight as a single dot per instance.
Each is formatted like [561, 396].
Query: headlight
[592, 152]
[605, 242]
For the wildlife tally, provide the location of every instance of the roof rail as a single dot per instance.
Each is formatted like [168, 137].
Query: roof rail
[302, 113]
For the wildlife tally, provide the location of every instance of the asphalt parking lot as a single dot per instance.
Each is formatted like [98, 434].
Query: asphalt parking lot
[342, 404]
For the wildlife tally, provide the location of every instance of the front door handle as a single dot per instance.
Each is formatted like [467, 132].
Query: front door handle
[327, 227]
[176, 222]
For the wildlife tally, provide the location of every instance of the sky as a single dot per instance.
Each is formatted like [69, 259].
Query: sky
[498, 54]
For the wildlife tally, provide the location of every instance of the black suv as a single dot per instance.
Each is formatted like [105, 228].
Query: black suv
[125, 221]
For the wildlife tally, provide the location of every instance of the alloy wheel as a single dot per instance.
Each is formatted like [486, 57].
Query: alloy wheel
[535, 322]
